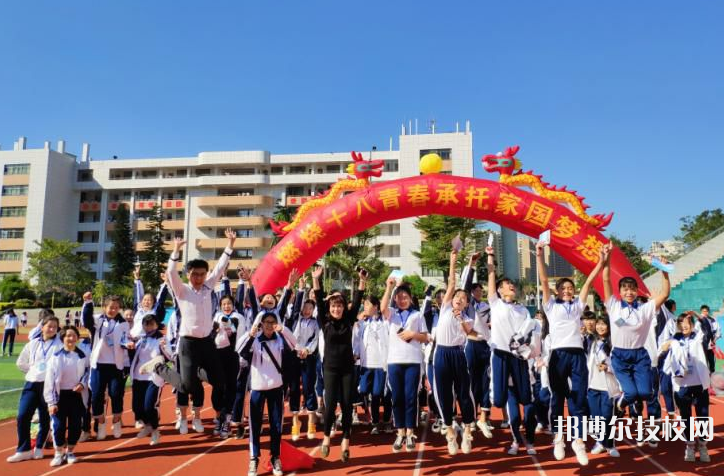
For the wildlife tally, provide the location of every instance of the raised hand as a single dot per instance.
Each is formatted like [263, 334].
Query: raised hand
[293, 276]
[489, 250]
[539, 248]
[137, 272]
[317, 272]
[391, 282]
[475, 257]
[178, 243]
[230, 235]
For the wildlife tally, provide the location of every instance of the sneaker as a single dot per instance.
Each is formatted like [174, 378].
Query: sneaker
[149, 366]
[145, 431]
[410, 443]
[20, 456]
[355, 418]
[101, 432]
[84, 435]
[375, 430]
[38, 453]
[452, 444]
[216, 420]
[139, 424]
[513, 450]
[559, 450]
[613, 452]
[530, 449]
[155, 437]
[388, 428]
[253, 467]
[197, 425]
[689, 455]
[485, 428]
[296, 430]
[183, 426]
[597, 449]
[704, 454]
[71, 458]
[424, 417]
[505, 424]
[466, 445]
[539, 428]
[225, 428]
[57, 459]
[397, 445]
[117, 429]
[579, 447]
[276, 463]
[217, 427]
[436, 426]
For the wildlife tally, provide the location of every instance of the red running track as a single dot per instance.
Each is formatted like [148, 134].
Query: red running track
[196, 454]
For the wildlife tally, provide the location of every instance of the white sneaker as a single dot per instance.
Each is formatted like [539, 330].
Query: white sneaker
[20, 456]
[183, 426]
[101, 434]
[155, 437]
[580, 449]
[145, 431]
[597, 449]
[689, 455]
[613, 453]
[355, 418]
[485, 428]
[84, 435]
[467, 443]
[57, 459]
[505, 424]
[530, 449]
[71, 458]
[38, 453]
[398, 444]
[197, 425]
[539, 428]
[148, 367]
[452, 444]
[704, 454]
[117, 429]
[559, 450]
[139, 424]
[513, 450]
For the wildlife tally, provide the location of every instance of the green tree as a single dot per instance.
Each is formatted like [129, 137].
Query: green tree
[58, 272]
[634, 254]
[359, 250]
[13, 287]
[123, 253]
[693, 229]
[100, 291]
[438, 232]
[417, 284]
[154, 257]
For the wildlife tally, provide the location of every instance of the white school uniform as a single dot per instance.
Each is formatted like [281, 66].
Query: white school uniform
[450, 332]
[107, 343]
[374, 342]
[65, 370]
[506, 319]
[688, 352]
[399, 351]
[630, 324]
[34, 358]
[306, 331]
[264, 374]
[147, 348]
[564, 321]
[604, 381]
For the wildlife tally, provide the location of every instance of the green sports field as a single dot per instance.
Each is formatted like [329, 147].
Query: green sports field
[10, 378]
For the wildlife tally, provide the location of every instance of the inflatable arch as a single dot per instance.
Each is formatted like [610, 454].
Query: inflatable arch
[334, 217]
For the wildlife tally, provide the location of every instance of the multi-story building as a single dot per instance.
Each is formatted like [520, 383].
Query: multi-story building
[52, 193]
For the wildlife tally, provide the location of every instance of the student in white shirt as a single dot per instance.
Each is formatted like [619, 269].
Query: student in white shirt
[24, 319]
[147, 387]
[407, 333]
[477, 349]
[687, 364]
[33, 361]
[567, 367]
[65, 389]
[10, 322]
[246, 322]
[196, 348]
[630, 327]
[146, 303]
[373, 349]
[107, 360]
[264, 353]
[602, 386]
[513, 340]
[452, 380]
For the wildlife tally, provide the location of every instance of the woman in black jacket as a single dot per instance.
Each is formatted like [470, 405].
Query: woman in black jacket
[336, 321]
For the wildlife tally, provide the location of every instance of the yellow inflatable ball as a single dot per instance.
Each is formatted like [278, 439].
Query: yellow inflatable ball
[430, 164]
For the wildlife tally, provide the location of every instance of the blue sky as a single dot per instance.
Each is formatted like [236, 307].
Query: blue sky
[622, 101]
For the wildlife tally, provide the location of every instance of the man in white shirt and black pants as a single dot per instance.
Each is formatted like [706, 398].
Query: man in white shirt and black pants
[196, 347]
[11, 328]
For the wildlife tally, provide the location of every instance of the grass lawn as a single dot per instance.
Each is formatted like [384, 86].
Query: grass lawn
[10, 378]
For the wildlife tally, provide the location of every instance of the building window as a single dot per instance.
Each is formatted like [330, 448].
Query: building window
[392, 166]
[236, 192]
[85, 175]
[333, 169]
[390, 229]
[89, 217]
[17, 169]
[431, 273]
[277, 170]
[146, 195]
[203, 172]
[91, 256]
[13, 211]
[296, 191]
[88, 237]
[243, 253]
[298, 169]
[15, 190]
[11, 255]
[241, 212]
[147, 174]
[389, 251]
[11, 233]
[443, 153]
[238, 172]
[120, 174]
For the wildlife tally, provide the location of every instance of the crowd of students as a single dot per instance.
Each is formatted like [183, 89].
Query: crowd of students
[446, 361]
